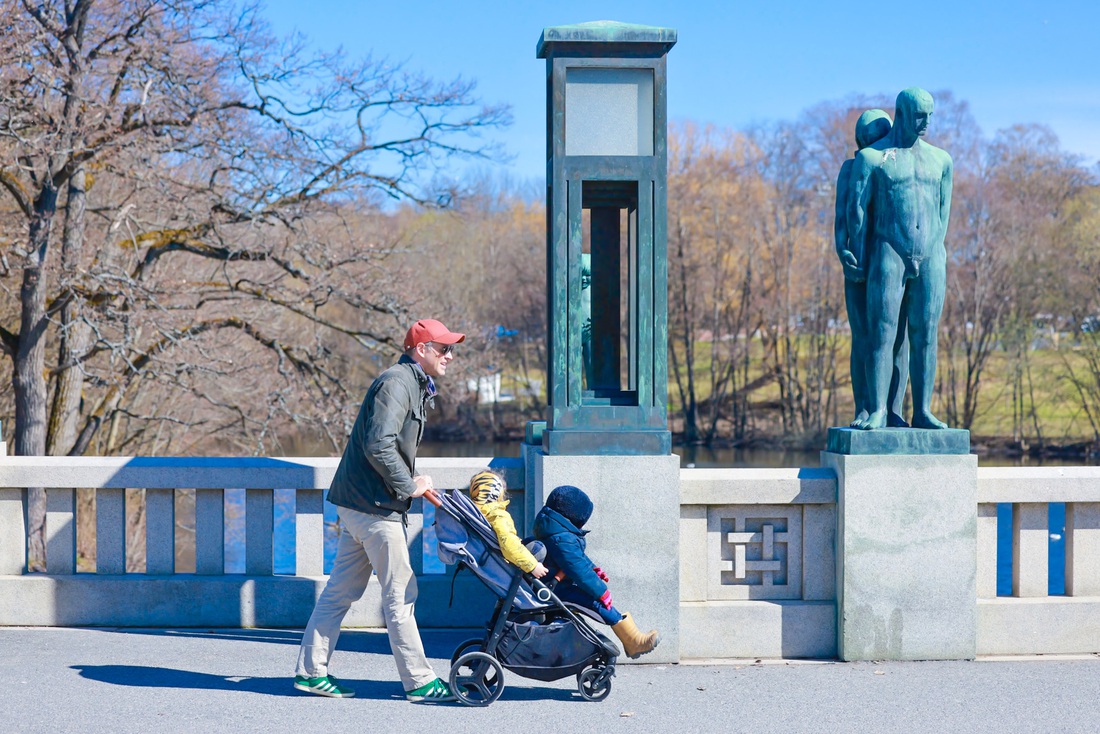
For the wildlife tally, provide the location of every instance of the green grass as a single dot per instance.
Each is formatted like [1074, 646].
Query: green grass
[1057, 405]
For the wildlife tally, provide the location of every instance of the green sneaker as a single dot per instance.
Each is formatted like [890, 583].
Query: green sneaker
[434, 692]
[326, 685]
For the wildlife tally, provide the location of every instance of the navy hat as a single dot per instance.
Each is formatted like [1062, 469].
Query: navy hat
[572, 503]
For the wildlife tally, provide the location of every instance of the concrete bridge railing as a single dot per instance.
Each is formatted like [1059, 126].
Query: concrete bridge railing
[758, 562]
[757, 553]
[1030, 621]
[209, 597]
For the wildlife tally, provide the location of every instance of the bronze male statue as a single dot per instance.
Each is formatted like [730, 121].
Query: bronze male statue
[872, 126]
[901, 202]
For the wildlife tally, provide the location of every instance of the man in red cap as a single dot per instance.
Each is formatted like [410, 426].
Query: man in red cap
[372, 490]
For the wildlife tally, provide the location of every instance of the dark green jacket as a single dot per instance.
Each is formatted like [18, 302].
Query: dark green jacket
[376, 471]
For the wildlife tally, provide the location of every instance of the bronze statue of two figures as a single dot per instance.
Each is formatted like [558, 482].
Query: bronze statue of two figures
[893, 201]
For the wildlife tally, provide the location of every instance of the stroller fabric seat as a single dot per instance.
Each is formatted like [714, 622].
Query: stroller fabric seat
[463, 534]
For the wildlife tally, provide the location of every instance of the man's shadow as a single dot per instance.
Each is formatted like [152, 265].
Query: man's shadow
[143, 676]
[150, 677]
[438, 644]
[282, 685]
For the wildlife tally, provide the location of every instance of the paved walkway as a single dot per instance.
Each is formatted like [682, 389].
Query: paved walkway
[160, 681]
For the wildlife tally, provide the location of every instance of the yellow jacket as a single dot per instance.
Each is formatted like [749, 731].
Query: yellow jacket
[510, 544]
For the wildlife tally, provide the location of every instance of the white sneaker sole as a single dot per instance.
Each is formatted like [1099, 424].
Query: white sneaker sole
[319, 692]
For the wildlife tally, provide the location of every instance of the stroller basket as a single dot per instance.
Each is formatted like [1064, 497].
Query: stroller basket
[547, 650]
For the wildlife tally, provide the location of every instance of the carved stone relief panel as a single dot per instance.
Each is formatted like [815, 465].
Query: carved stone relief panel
[754, 552]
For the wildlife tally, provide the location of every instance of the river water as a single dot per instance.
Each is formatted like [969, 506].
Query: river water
[690, 456]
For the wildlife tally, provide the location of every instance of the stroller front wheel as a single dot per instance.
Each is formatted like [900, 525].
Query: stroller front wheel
[594, 684]
[477, 679]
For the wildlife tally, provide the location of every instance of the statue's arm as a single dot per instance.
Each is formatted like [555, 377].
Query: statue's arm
[841, 231]
[859, 198]
[946, 183]
[840, 213]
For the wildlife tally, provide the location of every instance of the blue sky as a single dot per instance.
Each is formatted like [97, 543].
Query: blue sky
[742, 62]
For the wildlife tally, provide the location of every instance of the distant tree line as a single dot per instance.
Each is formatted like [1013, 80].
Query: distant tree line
[760, 340]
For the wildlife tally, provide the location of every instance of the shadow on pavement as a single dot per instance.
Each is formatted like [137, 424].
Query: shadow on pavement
[279, 637]
[512, 692]
[437, 643]
[149, 677]
[140, 676]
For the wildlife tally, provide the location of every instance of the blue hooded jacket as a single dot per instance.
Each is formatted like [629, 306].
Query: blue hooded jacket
[565, 550]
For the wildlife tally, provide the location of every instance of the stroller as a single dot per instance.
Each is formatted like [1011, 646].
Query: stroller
[531, 632]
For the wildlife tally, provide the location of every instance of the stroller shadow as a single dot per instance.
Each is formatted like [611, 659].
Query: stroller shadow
[538, 693]
[149, 677]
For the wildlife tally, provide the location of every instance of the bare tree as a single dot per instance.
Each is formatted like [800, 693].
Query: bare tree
[1005, 258]
[214, 182]
[801, 283]
[713, 311]
[483, 270]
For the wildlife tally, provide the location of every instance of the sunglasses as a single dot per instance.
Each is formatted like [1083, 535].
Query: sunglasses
[442, 349]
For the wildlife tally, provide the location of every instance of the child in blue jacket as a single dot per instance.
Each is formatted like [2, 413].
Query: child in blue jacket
[559, 526]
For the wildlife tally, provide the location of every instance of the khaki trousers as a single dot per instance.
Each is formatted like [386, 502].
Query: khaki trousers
[368, 542]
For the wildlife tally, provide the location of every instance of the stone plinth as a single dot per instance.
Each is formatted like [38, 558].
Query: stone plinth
[906, 555]
[893, 441]
[635, 533]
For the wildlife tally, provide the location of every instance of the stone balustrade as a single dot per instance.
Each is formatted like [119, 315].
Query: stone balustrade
[1030, 621]
[210, 596]
[757, 553]
[757, 563]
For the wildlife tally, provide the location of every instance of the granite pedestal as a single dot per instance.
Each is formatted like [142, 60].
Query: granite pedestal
[634, 533]
[906, 544]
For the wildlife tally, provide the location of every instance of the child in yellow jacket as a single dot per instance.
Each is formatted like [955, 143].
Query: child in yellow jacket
[487, 491]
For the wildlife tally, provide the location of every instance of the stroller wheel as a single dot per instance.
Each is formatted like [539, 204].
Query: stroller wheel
[594, 684]
[477, 679]
[465, 647]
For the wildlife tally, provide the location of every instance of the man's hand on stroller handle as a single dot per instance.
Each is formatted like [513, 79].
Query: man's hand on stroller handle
[423, 484]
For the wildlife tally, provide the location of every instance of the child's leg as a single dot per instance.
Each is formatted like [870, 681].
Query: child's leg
[612, 616]
[569, 592]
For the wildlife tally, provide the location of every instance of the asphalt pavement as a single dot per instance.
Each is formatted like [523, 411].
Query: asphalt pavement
[199, 680]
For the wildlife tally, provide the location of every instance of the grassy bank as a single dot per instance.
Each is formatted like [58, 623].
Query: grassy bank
[1042, 413]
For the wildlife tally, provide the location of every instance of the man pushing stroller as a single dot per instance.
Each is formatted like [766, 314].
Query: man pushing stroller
[558, 526]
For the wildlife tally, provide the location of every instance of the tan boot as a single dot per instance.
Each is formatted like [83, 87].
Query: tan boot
[635, 644]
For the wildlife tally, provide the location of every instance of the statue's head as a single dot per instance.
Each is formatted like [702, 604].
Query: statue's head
[913, 110]
[872, 126]
[586, 270]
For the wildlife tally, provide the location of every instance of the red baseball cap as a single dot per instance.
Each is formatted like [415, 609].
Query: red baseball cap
[430, 330]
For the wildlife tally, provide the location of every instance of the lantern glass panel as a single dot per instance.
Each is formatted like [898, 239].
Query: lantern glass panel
[608, 111]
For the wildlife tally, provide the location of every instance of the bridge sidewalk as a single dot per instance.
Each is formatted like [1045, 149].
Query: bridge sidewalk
[159, 681]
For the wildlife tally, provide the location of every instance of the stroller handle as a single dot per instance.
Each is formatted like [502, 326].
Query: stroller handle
[431, 496]
[542, 592]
